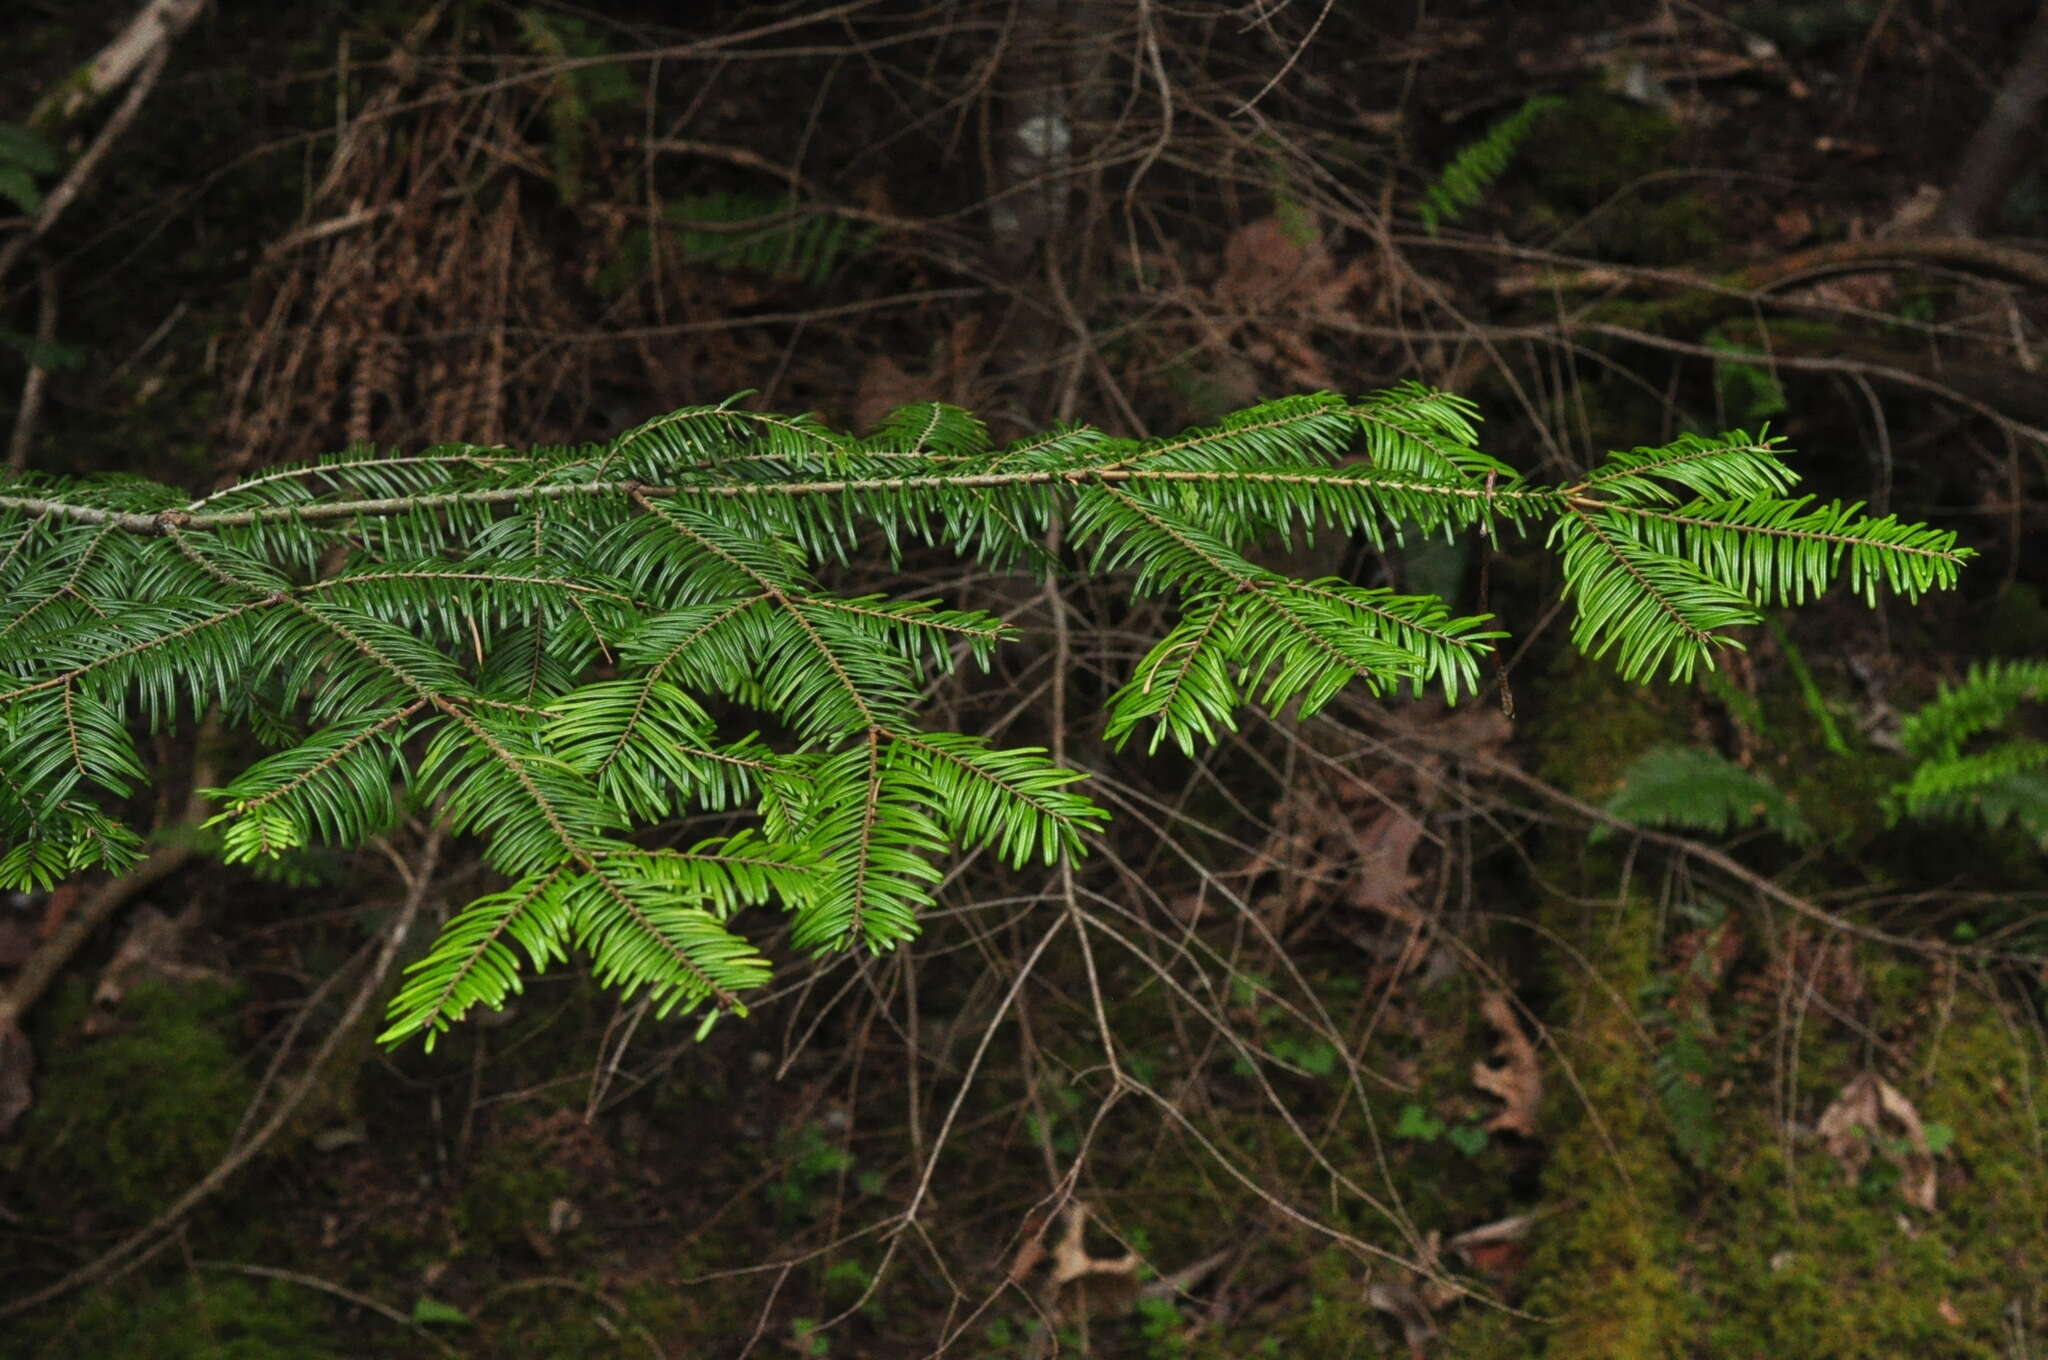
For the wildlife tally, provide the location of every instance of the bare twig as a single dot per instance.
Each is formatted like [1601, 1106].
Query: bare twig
[81, 172]
[38, 375]
[143, 40]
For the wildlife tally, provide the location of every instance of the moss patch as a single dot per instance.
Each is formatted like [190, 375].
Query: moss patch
[208, 1317]
[124, 1116]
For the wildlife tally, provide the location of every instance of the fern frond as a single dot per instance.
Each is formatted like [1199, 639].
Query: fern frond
[1687, 787]
[2003, 783]
[1982, 700]
[2019, 799]
[1680, 1071]
[766, 234]
[1941, 784]
[1479, 163]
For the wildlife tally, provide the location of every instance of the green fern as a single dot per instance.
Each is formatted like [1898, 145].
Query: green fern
[1701, 791]
[529, 644]
[1680, 1071]
[2002, 783]
[766, 234]
[769, 234]
[1478, 164]
[575, 92]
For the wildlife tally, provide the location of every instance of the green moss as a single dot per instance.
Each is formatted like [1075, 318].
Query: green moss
[1596, 144]
[214, 1316]
[1798, 1259]
[506, 1198]
[1595, 163]
[125, 1119]
[1589, 724]
[1605, 1271]
[1681, 229]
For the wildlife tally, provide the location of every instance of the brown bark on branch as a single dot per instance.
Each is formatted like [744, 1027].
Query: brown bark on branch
[147, 35]
[2010, 131]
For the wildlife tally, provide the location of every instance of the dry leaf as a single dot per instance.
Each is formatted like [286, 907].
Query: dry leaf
[1385, 845]
[1270, 262]
[1792, 226]
[1495, 1248]
[1070, 1258]
[1417, 1327]
[1031, 1252]
[1082, 1285]
[1518, 1080]
[1949, 1313]
[1915, 213]
[1857, 1122]
[884, 386]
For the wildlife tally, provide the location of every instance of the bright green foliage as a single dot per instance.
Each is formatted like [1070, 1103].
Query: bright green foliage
[545, 648]
[2004, 780]
[1478, 164]
[1688, 787]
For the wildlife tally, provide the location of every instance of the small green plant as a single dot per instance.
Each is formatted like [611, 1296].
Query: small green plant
[1417, 1124]
[549, 650]
[1970, 763]
[1316, 1057]
[1479, 163]
[1701, 791]
[813, 1158]
[1680, 1071]
[806, 1340]
[431, 1312]
[24, 158]
[1164, 1329]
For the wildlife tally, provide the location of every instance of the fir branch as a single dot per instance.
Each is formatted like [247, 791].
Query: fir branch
[544, 645]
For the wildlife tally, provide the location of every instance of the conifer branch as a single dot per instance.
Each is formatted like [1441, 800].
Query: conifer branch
[546, 644]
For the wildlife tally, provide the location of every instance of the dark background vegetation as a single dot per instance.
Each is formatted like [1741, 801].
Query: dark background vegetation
[1329, 998]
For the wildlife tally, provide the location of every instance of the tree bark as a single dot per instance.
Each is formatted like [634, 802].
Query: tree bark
[2003, 143]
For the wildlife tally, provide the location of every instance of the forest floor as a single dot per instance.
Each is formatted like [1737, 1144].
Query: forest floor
[1378, 1034]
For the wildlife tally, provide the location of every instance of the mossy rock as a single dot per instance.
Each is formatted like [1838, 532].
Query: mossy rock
[1598, 154]
[126, 1119]
[1594, 145]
